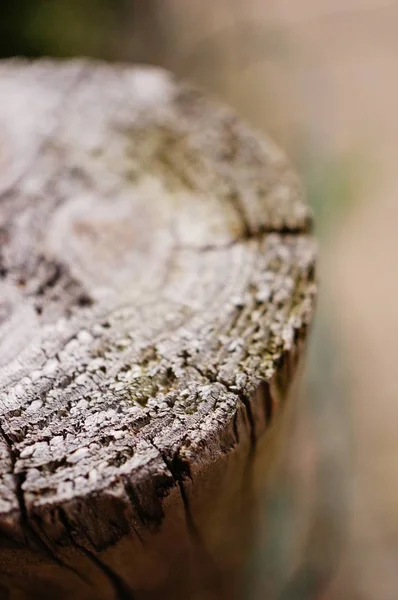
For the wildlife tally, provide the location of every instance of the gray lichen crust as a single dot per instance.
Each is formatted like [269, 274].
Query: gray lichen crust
[156, 269]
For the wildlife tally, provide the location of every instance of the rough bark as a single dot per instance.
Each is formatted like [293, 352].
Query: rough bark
[156, 287]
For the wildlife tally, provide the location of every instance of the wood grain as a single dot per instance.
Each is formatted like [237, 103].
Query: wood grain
[156, 287]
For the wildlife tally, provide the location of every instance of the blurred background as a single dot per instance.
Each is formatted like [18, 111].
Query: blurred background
[321, 77]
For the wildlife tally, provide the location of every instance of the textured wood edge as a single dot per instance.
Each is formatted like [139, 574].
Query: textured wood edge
[252, 202]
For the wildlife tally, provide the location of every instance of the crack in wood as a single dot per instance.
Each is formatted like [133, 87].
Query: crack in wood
[180, 470]
[121, 589]
[27, 529]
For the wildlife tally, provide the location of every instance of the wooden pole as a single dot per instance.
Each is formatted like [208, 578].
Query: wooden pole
[156, 287]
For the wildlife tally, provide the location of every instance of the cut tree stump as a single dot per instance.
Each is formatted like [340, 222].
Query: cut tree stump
[156, 288]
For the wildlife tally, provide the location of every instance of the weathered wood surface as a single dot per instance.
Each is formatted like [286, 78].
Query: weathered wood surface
[156, 285]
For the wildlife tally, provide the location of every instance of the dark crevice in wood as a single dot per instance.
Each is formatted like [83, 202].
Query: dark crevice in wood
[150, 514]
[4, 238]
[252, 426]
[205, 373]
[267, 401]
[31, 536]
[18, 482]
[84, 300]
[247, 403]
[57, 282]
[249, 235]
[120, 587]
[180, 470]
[132, 498]
[52, 279]
[305, 229]
[235, 426]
